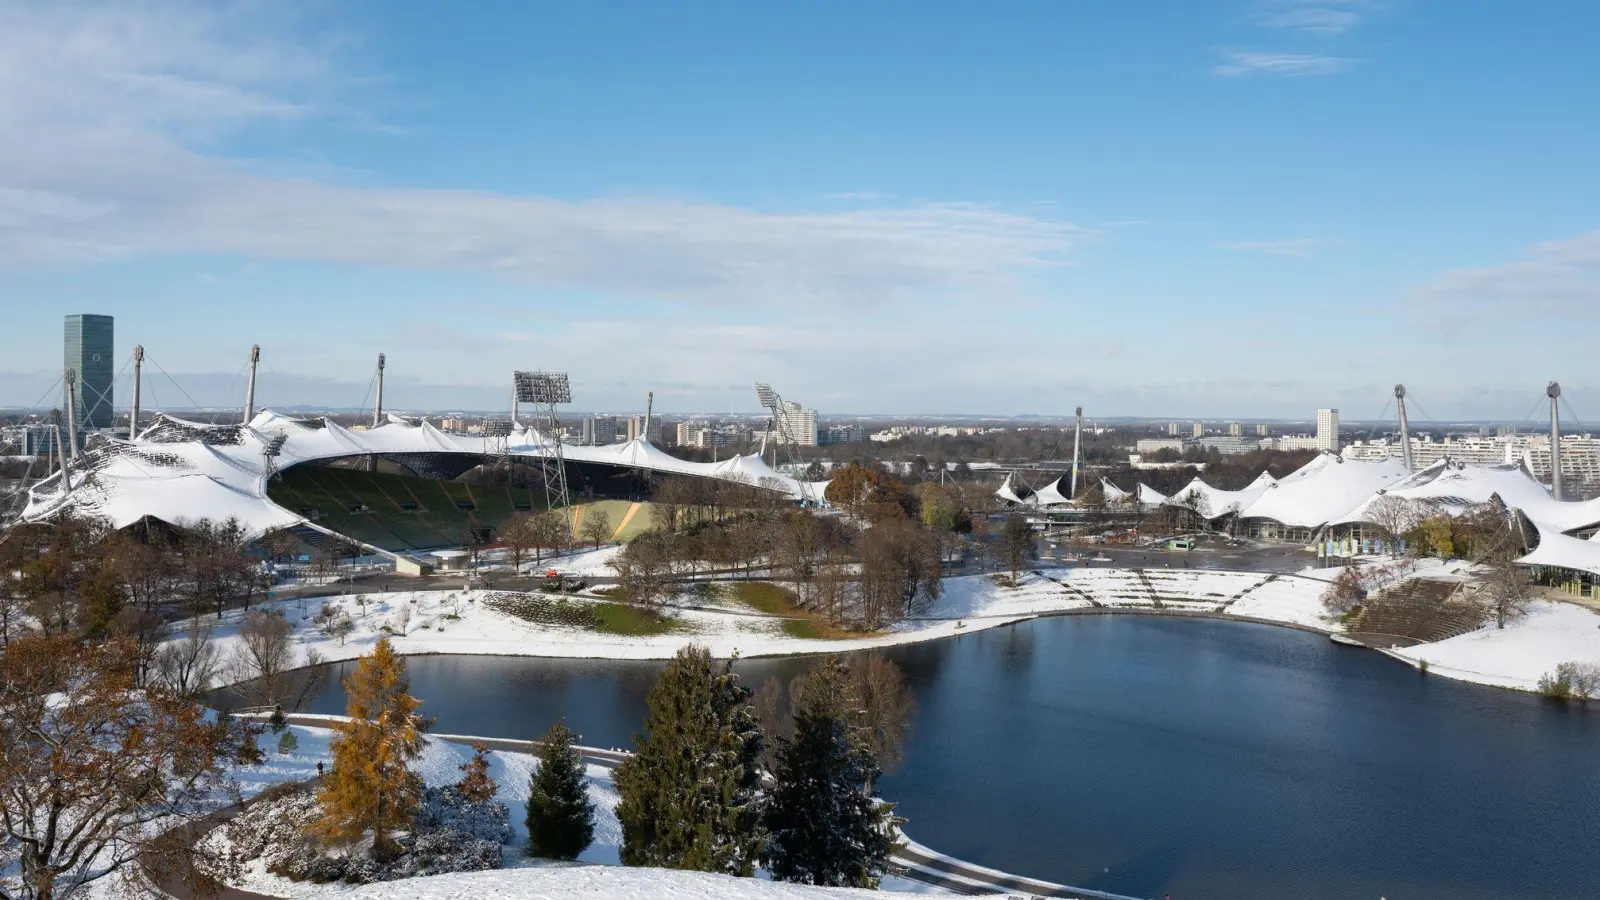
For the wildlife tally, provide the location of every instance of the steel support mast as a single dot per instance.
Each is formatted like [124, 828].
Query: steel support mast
[69, 380]
[138, 383]
[1405, 427]
[250, 386]
[1553, 391]
[1077, 445]
[377, 411]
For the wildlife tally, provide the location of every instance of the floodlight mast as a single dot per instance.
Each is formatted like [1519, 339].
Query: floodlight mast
[270, 451]
[546, 391]
[777, 426]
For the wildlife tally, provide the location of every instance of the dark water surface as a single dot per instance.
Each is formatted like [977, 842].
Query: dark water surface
[1209, 760]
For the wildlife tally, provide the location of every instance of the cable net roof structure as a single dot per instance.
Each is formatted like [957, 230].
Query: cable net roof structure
[178, 471]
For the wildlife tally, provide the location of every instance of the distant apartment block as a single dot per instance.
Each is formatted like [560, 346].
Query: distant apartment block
[1328, 430]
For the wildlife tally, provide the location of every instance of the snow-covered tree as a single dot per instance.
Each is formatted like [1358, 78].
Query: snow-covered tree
[825, 827]
[691, 792]
[88, 766]
[560, 813]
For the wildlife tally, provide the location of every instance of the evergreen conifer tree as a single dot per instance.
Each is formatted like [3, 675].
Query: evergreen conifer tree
[825, 827]
[371, 787]
[475, 784]
[690, 794]
[560, 813]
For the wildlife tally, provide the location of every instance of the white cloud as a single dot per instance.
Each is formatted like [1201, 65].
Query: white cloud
[1323, 18]
[119, 104]
[1556, 277]
[1296, 247]
[1247, 64]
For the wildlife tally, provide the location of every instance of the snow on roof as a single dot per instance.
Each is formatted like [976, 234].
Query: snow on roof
[178, 470]
[1111, 492]
[1050, 494]
[1453, 487]
[1563, 550]
[1008, 491]
[1149, 496]
[1212, 502]
[1323, 490]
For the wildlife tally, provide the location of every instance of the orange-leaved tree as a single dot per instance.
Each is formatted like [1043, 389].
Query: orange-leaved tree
[371, 788]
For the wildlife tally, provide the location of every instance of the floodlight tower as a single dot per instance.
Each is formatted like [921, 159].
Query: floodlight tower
[270, 451]
[495, 435]
[778, 426]
[1405, 427]
[546, 391]
[1553, 391]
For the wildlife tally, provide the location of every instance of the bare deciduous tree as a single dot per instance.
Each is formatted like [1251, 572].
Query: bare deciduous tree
[1394, 516]
[185, 667]
[517, 534]
[264, 668]
[597, 528]
[88, 767]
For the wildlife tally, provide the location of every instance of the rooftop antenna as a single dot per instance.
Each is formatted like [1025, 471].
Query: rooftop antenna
[1553, 391]
[1405, 427]
[138, 380]
[250, 386]
[70, 382]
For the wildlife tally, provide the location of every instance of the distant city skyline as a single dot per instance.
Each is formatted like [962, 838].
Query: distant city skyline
[1208, 208]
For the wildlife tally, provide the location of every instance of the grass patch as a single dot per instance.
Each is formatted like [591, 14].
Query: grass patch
[766, 597]
[618, 618]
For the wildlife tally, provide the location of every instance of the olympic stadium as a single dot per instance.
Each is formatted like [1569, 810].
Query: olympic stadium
[393, 489]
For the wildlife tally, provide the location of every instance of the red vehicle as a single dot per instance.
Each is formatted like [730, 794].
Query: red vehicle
[551, 573]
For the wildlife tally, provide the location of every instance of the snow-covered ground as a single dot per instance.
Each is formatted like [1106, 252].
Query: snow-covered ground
[440, 765]
[457, 622]
[1514, 657]
[597, 883]
[1290, 599]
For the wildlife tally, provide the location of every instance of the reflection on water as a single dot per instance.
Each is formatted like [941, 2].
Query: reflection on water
[1150, 756]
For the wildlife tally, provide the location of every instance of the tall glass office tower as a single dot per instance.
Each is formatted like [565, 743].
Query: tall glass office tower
[90, 347]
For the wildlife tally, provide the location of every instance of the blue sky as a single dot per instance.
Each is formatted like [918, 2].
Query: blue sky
[1184, 208]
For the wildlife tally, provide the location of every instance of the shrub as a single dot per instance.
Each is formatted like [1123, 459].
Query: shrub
[1345, 592]
[1571, 681]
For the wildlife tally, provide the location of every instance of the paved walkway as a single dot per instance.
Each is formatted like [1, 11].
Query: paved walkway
[173, 884]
